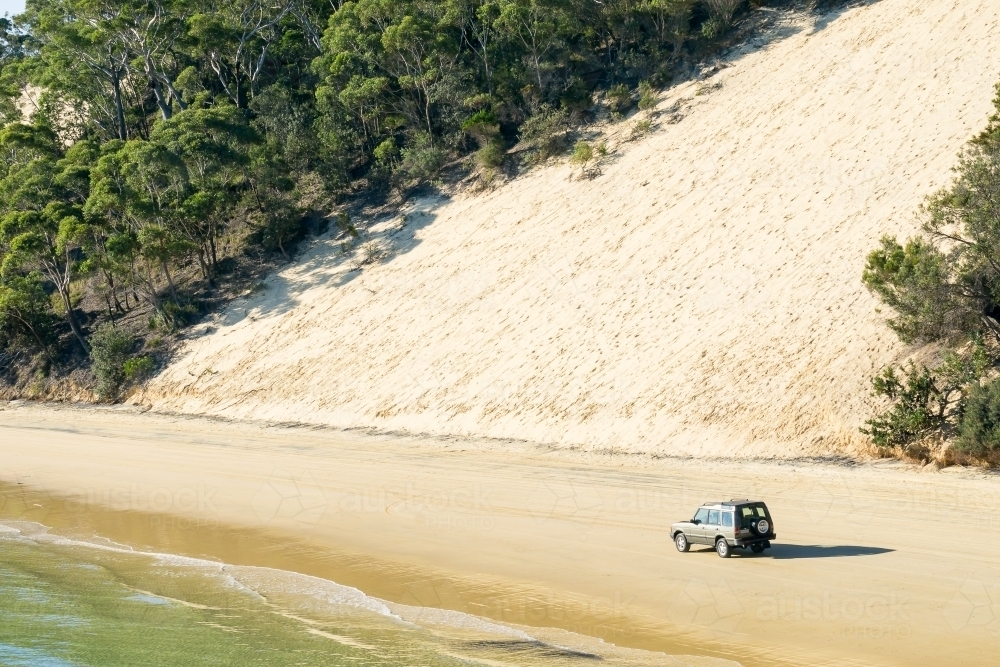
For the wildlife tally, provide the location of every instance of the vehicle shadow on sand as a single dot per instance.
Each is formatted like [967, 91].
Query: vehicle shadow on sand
[790, 551]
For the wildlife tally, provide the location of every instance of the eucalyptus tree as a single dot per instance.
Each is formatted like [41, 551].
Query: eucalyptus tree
[392, 54]
[478, 21]
[235, 38]
[671, 21]
[539, 25]
[25, 314]
[209, 151]
[150, 31]
[42, 228]
[83, 61]
[133, 189]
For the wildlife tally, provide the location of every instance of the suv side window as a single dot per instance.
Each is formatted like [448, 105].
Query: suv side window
[727, 519]
[701, 516]
[713, 518]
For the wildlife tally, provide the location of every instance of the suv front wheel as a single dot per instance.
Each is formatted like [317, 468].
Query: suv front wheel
[681, 542]
[722, 548]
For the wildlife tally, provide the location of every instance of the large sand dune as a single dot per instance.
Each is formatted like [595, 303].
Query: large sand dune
[701, 296]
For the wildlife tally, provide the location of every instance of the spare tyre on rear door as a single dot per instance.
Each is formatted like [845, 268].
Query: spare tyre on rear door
[755, 518]
[760, 527]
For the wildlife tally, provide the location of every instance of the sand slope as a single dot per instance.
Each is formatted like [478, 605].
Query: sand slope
[701, 296]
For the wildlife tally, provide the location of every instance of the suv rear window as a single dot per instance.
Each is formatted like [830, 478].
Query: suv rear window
[749, 512]
[727, 519]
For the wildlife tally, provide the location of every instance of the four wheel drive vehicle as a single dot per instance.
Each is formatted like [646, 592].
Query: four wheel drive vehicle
[739, 523]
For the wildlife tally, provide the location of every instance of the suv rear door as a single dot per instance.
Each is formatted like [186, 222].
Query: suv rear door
[750, 514]
[728, 529]
[713, 527]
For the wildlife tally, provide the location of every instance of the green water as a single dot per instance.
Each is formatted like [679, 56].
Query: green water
[63, 604]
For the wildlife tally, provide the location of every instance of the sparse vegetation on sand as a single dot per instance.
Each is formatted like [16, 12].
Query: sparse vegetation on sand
[944, 289]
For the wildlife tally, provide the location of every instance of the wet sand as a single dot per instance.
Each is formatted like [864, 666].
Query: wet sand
[876, 564]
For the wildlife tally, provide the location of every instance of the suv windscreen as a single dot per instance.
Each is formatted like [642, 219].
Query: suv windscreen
[701, 516]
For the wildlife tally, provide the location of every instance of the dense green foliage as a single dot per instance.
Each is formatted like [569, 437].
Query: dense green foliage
[944, 287]
[111, 349]
[144, 142]
[917, 408]
[979, 431]
[925, 401]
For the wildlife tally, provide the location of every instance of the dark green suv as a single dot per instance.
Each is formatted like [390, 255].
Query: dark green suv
[739, 523]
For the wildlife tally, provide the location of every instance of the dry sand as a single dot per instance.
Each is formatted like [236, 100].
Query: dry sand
[702, 296]
[876, 564]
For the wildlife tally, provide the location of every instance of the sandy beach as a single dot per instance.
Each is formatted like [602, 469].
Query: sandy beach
[876, 564]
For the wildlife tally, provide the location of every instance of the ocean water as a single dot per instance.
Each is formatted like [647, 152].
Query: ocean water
[66, 602]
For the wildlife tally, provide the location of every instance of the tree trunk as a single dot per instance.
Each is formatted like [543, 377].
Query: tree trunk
[154, 301]
[240, 94]
[538, 66]
[203, 262]
[170, 283]
[41, 343]
[427, 115]
[119, 106]
[176, 95]
[161, 100]
[215, 256]
[110, 280]
[71, 318]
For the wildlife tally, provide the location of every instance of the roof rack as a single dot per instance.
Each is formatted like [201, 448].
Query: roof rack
[728, 502]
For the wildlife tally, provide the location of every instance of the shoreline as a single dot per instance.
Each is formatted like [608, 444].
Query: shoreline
[543, 539]
[164, 538]
[194, 523]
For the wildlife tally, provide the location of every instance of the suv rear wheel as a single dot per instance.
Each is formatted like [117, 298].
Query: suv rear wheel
[757, 547]
[681, 542]
[722, 548]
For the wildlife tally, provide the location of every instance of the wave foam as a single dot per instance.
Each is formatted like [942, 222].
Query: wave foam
[266, 581]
